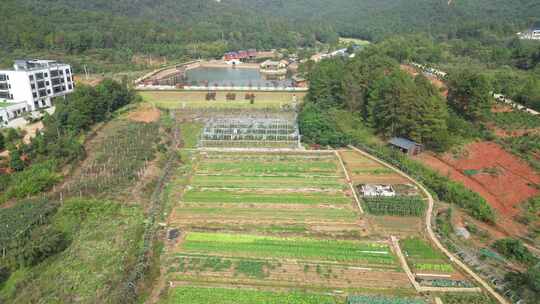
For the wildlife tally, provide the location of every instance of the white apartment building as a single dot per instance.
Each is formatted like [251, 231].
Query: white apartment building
[32, 85]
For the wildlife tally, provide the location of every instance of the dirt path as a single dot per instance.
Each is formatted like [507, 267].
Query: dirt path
[432, 235]
[161, 282]
[350, 183]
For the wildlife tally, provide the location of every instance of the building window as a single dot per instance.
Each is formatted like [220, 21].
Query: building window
[69, 78]
[42, 93]
[33, 86]
[34, 94]
[3, 77]
[41, 84]
[46, 75]
[68, 72]
[48, 91]
[36, 104]
[31, 77]
[39, 76]
[70, 87]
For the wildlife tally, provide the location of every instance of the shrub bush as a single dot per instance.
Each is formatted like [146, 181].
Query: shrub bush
[35, 179]
[515, 250]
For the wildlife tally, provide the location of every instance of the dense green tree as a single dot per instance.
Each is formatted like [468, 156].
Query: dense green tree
[515, 250]
[401, 106]
[15, 159]
[325, 83]
[318, 127]
[373, 86]
[469, 93]
[2, 142]
[360, 74]
[530, 93]
[526, 284]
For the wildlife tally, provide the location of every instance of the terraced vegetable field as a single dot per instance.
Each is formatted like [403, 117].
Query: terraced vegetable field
[268, 189]
[274, 221]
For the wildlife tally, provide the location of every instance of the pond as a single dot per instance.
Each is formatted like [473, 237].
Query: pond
[228, 76]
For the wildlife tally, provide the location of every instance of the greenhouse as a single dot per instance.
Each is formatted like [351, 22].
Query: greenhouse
[252, 132]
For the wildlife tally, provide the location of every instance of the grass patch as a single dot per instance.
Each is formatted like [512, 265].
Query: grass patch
[423, 257]
[197, 100]
[6, 104]
[190, 134]
[104, 236]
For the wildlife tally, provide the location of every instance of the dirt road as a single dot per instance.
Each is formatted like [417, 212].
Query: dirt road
[432, 235]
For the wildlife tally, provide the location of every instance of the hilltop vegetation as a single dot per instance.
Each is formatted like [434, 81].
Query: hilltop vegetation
[115, 31]
[375, 19]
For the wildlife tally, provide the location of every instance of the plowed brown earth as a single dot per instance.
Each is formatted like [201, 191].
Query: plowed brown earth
[511, 183]
[146, 115]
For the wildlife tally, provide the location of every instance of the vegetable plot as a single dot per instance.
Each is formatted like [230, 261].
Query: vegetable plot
[294, 248]
[399, 205]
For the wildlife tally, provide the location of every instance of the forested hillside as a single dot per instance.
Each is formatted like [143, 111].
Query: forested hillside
[374, 19]
[115, 31]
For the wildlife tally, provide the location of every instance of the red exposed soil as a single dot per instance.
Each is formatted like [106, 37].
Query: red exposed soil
[434, 80]
[510, 183]
[501, 108]
[409, 69]
[511, 133]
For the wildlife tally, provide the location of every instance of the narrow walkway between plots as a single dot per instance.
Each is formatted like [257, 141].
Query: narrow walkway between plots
[350, 182]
